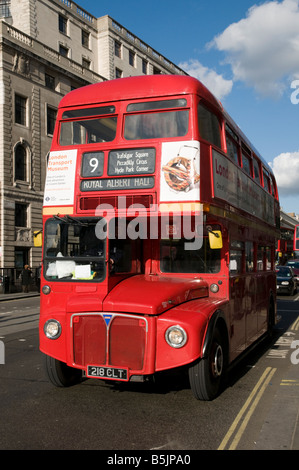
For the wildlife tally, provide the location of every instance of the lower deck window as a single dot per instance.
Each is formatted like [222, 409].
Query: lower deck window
[175, 259]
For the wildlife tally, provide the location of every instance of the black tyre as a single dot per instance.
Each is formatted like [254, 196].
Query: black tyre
[207, 375]
[60, 374]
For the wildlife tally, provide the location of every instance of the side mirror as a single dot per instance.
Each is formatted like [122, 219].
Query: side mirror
[38, 238]
[215, 239]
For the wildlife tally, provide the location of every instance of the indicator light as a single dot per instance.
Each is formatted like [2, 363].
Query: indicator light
[46, 289]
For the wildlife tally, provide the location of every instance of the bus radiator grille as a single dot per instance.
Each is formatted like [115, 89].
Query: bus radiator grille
[121, 343]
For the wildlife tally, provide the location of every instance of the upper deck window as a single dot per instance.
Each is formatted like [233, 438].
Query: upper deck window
[161, 104]
[74, 131]
[256, 170]
[209, 126]
[232, 150]
[89, 131]
[273, 187]
[246, 163]
[232, 143]
[159, 124]
[266, 177]
[88, 112]
[156, 125]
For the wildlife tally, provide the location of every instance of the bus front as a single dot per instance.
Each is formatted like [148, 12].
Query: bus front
[129, 257]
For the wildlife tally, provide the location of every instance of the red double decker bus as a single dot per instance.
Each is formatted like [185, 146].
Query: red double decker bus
[296, 239]
[159, 228]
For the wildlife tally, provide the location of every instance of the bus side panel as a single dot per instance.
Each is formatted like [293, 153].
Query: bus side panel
[266, 290]
[206, 172]
[251, 309]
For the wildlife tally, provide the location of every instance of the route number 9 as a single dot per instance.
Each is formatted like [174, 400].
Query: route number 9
[92, 164]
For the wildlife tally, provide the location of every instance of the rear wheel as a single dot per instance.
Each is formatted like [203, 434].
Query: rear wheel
[60, 374]
[206, 375]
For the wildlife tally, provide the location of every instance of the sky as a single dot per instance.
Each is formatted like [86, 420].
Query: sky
[245, 52]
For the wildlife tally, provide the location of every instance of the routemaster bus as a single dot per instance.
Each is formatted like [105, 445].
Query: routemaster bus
[296, 239]
[159, 227]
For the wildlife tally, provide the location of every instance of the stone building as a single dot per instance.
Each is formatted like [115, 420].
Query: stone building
[49, 47]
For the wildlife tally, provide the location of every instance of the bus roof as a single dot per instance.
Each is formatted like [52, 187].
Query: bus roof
[140, 87]
[149, 86]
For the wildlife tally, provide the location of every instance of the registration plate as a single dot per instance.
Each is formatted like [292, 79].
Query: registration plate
[103, 372]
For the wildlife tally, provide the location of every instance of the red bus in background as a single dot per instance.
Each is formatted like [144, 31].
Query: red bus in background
[296, 239]
[159, 228]
[284, 247]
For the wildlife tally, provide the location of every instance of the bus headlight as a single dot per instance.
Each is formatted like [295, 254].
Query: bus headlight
[176, 336]
[52, 329]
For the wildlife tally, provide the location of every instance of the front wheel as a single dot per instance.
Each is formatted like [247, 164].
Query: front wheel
[207, 375]
[60, 374]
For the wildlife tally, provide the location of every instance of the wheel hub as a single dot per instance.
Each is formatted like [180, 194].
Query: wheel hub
[217, 361]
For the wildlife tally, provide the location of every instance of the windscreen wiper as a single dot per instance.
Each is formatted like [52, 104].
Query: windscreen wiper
[70, 220]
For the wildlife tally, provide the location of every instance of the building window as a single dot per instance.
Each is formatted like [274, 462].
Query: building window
[144, 66]
[51, 118]
[85, 38]
[62, 24]
[21, 211]
[4, 9]
[132, 58]
[86, 63]
[20, 163]
[156, 71]
[117, 49]
[22, 256]
[118, 73]
[20, 110]
[64, 51]
[50, 81]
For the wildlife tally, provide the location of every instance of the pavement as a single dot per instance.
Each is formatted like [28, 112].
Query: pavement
[280, 430]
[18, 295]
